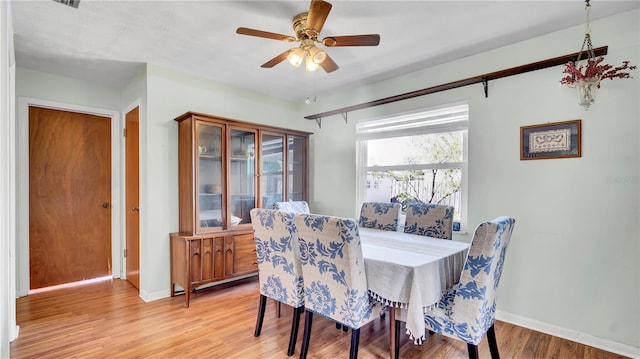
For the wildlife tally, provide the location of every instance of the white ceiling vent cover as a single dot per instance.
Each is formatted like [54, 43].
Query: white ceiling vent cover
[72, 3]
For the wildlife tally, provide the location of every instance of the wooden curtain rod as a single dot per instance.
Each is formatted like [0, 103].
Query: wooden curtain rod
[484, 79]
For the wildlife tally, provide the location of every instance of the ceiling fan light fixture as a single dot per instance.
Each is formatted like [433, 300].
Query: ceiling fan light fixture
[307, 27]
[310, 65]
[317, 55]
[295, 56]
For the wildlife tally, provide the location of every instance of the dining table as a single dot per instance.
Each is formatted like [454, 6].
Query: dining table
[411, 272]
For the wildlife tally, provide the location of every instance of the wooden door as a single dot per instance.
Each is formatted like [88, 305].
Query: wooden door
[132, 203]
[69, 197]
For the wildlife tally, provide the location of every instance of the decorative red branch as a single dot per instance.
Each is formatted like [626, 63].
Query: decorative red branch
[594, 71]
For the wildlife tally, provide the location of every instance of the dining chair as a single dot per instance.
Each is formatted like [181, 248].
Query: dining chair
[380, 215]
[292, 206]
[279, 267]
[335, 284]
[432, 220]
[467, 311]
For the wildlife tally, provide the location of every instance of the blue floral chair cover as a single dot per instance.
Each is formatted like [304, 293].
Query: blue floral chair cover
[335, 284]
[467, 311]
[279, 267]
[432, 220]
[292, 206]
[380, 215]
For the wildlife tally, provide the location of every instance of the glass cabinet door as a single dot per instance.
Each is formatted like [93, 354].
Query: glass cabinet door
[296, 168]
[209, 178]
[272, 167]
[242, 175]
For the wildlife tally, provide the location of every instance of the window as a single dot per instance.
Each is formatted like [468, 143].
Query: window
[416, 156]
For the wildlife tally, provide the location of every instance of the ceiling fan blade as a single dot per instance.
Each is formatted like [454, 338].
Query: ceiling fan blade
[318, 12]
[265, 34]
[276, 60]
[352, 40]
[328, 64]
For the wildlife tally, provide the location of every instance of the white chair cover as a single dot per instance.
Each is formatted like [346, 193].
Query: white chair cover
[432, 220]
[379, 215]
[292, 206]
[277, 250]
[467, 311]
[335, 283]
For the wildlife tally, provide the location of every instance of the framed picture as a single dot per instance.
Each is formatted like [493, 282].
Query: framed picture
[551, 140]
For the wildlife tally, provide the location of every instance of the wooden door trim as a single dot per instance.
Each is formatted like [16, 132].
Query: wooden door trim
[135, 105]
[22, 195]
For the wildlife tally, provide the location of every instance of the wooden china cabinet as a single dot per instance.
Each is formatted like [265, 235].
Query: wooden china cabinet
[225, 168]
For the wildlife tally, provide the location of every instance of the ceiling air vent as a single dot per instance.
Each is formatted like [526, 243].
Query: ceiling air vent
[72, 3]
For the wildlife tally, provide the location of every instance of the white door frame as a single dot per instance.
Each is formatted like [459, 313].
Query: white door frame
[23, 189]
[8, 329]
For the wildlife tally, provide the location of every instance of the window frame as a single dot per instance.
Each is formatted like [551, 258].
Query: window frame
[431, 122]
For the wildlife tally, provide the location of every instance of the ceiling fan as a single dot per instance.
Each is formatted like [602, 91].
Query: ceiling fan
[307, 26]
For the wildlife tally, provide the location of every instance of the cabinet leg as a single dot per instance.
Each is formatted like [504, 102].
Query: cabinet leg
[187, 292]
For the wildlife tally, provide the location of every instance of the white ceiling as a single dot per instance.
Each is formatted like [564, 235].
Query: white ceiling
[108, 41]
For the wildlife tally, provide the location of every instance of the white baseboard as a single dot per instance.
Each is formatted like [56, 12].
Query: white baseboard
[13, 334]
[586, 339]
[151, 296]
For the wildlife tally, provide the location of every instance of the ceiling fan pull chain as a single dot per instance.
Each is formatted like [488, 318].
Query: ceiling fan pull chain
[315, 87]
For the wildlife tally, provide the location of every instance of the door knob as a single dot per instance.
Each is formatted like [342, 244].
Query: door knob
[105, 205]
[135, 208]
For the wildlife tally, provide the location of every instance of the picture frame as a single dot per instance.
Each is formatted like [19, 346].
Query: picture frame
[551, 140]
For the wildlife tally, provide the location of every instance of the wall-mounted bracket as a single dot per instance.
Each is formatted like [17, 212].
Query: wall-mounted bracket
[485, 84]
[319, 121]
[345, 115]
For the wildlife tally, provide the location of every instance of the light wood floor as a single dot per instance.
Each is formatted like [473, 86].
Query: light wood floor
[109, 320]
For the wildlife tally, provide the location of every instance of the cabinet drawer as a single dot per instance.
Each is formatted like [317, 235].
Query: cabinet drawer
[245, 259]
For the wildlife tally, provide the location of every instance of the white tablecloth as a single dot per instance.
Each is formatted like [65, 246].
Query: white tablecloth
[411, 271]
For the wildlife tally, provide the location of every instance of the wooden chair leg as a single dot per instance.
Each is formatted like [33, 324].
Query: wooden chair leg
[473, 351]
[306, 336]
[261, 307]
[295, 323]
[355, 341]
[493, 344]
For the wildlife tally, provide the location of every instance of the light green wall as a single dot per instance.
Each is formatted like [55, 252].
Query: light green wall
[574, 258]
[52, 87]
[170, 94]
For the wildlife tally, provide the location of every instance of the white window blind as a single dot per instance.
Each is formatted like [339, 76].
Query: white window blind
[433, 120]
